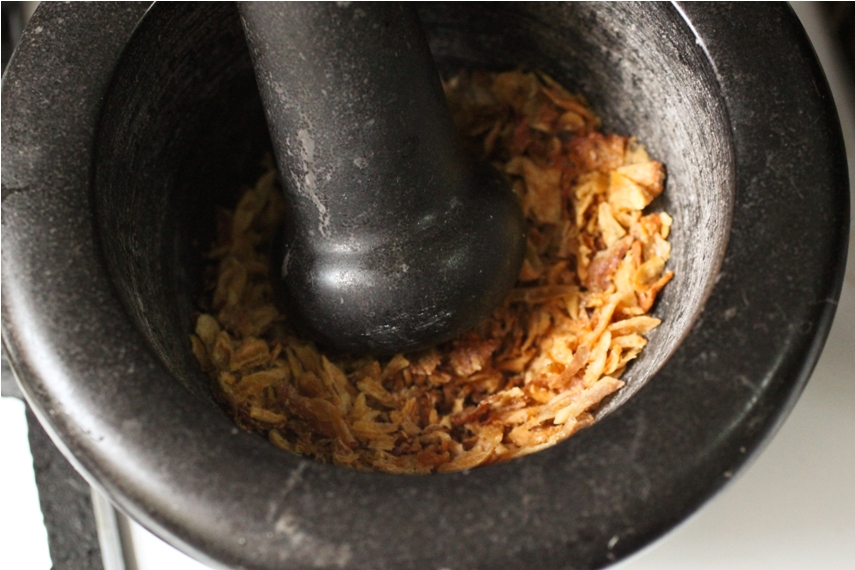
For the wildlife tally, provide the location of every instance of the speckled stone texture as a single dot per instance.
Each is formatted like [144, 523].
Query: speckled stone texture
[65, 498]
[66, 502]
[99, 271]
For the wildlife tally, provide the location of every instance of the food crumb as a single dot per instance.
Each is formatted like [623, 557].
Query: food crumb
[526, 378]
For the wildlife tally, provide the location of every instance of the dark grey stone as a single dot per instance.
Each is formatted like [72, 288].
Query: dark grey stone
[66, 502]
[395, 239]
[101, 266]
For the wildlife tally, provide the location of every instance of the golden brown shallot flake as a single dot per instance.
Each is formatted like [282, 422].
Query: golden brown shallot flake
[528, 377]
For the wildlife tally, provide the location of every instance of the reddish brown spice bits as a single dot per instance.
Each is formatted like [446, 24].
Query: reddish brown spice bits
[524, 379]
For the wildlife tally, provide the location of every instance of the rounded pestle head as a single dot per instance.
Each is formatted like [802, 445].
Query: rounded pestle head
[394, 239]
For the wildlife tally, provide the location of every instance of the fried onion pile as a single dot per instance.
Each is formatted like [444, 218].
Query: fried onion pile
[527, 377]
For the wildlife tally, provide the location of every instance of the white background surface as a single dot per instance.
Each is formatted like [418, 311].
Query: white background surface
[794, 508]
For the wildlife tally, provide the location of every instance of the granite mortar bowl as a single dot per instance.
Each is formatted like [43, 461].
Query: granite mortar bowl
[124, 127]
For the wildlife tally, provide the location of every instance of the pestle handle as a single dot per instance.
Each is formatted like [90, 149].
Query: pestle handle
[395, 239]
